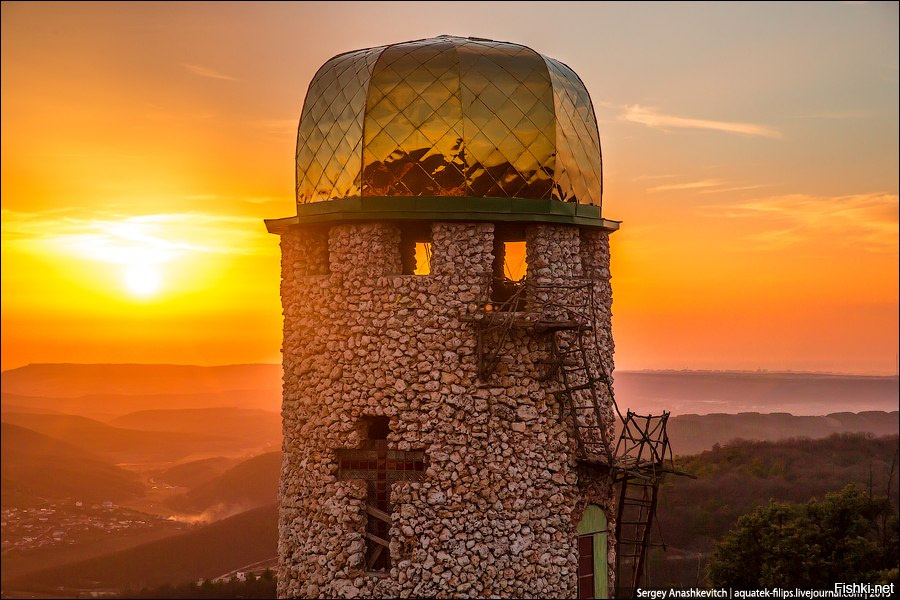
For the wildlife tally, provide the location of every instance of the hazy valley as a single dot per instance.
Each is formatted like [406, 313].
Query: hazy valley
[118, 476]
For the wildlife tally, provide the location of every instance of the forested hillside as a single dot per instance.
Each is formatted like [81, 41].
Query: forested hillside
[733, 479]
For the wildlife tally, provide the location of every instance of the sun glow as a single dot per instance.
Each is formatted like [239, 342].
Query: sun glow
[142, 280]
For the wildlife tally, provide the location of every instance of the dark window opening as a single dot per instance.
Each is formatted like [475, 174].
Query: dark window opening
[415, 250]
[377, 428]
[509, 269]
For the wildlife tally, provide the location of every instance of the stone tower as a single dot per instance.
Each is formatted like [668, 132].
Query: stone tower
[447, 423]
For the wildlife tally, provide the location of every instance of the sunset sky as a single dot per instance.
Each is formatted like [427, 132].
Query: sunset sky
[751, 151]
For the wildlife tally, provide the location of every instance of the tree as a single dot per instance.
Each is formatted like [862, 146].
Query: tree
[841, 538]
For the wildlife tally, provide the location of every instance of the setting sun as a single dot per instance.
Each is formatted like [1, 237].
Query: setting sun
[142, 280]
[135, 215]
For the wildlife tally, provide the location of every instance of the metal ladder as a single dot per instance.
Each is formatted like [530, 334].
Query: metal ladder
[579, 392]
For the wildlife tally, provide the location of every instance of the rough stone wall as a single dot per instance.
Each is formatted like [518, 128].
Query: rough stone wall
[496, 511]
[594, 254]
[594, 486]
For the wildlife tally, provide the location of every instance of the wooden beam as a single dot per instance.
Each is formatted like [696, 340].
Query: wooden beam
[377, 540]
[374, 557]
[378, 514]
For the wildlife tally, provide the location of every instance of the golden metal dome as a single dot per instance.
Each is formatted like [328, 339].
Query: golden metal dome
[448, 127]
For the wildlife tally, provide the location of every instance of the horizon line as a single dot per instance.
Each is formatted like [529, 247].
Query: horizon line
[758, 371]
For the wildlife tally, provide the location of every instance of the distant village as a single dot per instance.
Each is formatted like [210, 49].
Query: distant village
[71, 522]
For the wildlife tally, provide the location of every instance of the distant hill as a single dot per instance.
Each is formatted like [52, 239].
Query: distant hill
[254, 426]
[704, 392]
[109, 406]
[690, 434]
[207, 551]
[253, 482]
[73, 380]
[37, 466]
[9, 407]
[196, 472]
[111, 389]
[116, 444]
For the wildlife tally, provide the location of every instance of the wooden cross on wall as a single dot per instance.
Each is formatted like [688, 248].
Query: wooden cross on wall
[379, 467]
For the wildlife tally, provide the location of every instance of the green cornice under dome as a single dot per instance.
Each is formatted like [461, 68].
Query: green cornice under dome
[444, 208]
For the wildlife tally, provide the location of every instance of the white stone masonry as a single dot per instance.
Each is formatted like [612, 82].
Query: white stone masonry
[496, 510]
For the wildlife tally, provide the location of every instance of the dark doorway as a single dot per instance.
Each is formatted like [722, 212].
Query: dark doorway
[592, 567]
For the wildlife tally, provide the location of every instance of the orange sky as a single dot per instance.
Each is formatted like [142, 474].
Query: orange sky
[750, 150]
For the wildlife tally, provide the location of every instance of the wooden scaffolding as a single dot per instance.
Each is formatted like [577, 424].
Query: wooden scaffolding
[641, 454]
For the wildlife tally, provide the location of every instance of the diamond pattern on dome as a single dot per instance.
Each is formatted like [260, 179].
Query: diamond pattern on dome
[508, 120]
[329, 140]
[579, 176]
[413, 127]
[448, 116]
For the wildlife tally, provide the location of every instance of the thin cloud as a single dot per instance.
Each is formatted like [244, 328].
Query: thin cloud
[835, 115]
[740, 188]
[652, 118]
[651, 177]
[868, 220]
[775, 239]
[207, 72]
[278, 126]
[154, 238]
[264, 200]
[691, 185]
